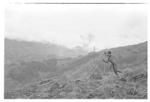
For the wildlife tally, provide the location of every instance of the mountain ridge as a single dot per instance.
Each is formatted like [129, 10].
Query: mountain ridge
[21, 50]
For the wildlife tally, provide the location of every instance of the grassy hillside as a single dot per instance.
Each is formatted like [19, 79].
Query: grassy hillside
[127, 57]
[27, 61]
[88, 77]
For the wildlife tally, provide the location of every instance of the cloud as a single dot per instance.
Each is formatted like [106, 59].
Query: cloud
[63, 24]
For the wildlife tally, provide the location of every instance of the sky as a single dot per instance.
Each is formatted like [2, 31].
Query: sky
[88, 26]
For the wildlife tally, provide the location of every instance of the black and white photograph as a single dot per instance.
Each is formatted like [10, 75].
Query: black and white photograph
[82, 50]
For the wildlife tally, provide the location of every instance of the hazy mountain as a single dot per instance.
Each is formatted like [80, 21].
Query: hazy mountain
[82, 77]
[17, 50]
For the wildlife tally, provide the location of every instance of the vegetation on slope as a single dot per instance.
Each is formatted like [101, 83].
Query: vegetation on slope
[87, 77]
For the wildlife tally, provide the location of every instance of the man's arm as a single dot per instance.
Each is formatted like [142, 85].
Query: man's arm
[105, 61]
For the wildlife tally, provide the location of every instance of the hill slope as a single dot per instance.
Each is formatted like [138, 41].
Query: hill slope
[89, 77]
[27, 61]
[126, 57]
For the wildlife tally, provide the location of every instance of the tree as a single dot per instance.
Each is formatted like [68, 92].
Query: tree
[87, 40]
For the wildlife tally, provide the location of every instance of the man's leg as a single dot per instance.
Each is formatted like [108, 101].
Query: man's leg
[115, 70]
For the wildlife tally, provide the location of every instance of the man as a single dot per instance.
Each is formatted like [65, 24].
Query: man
[111, 59]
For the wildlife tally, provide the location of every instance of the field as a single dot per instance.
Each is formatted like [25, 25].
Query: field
[82, 77]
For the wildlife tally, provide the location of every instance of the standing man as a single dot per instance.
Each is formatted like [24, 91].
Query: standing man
[111, 59]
